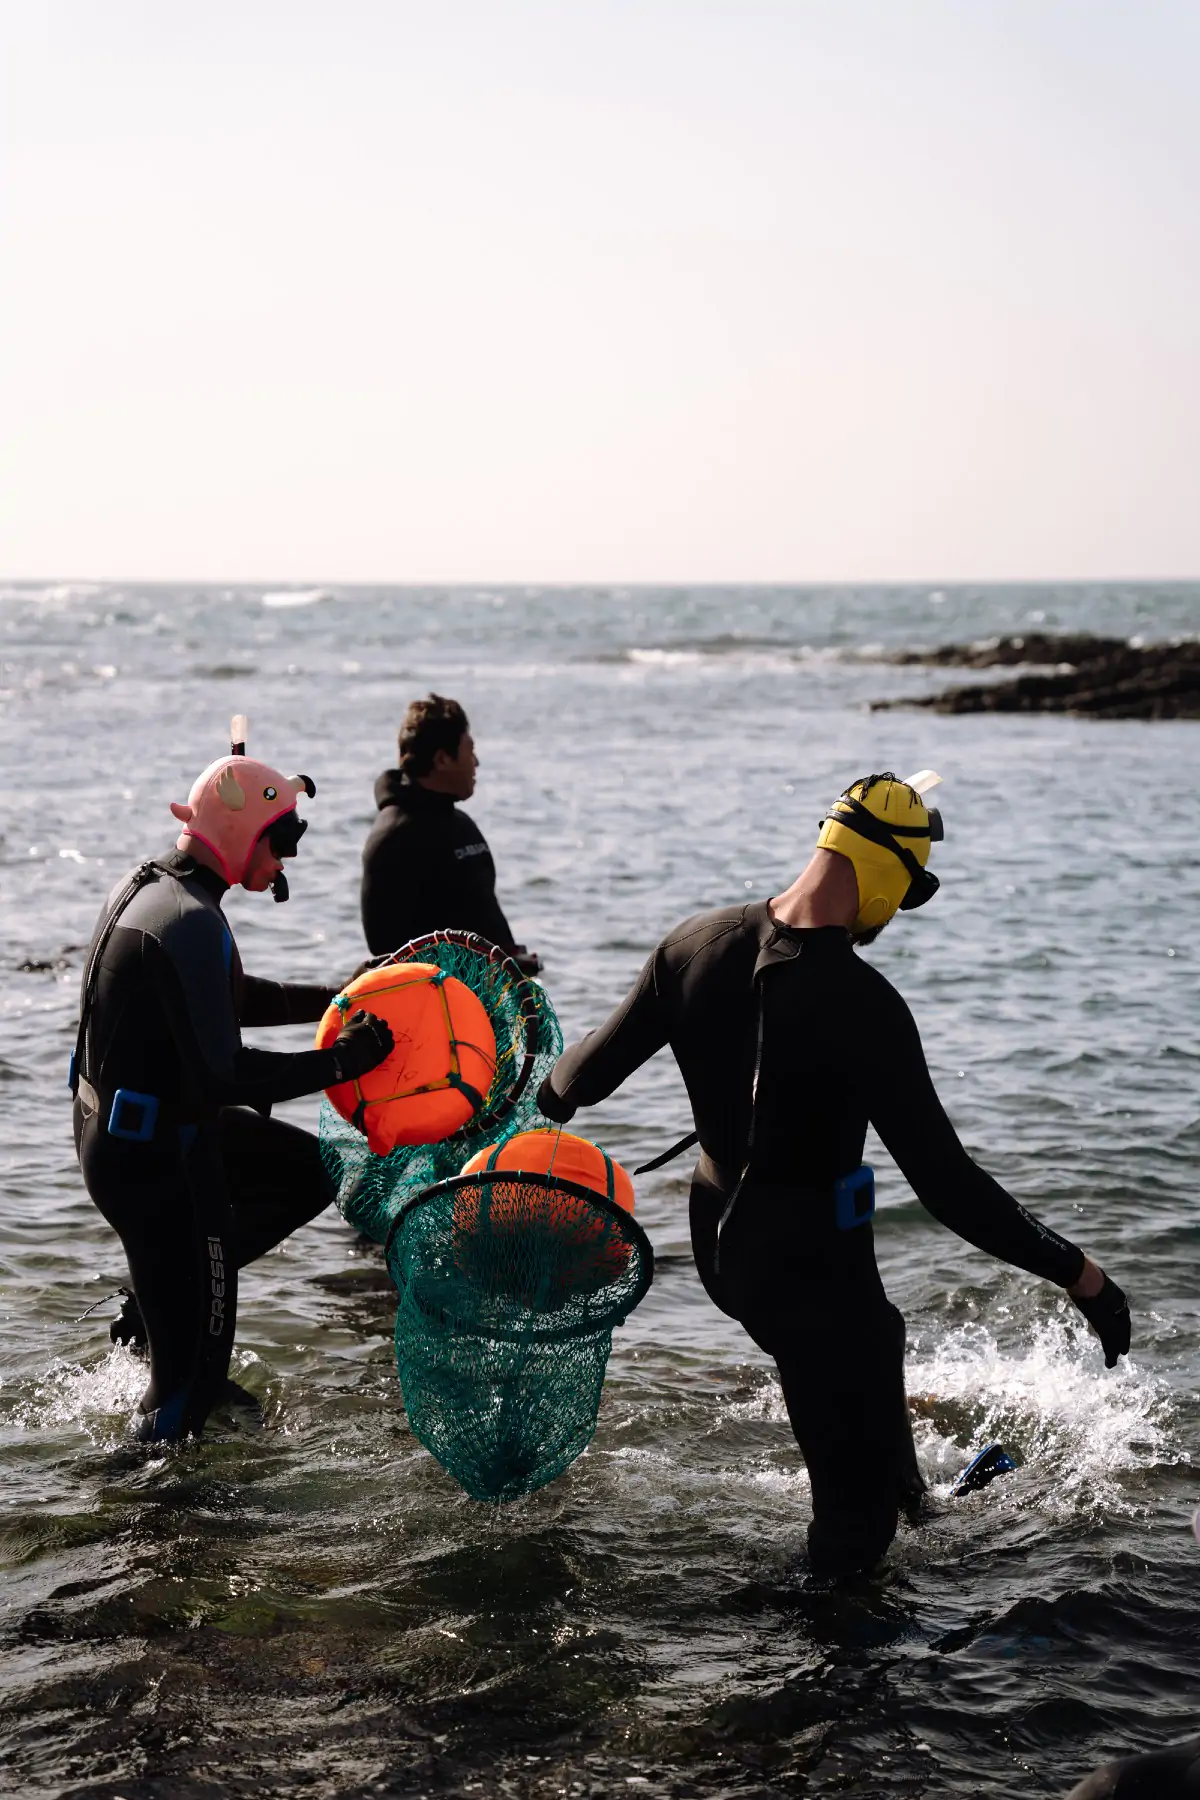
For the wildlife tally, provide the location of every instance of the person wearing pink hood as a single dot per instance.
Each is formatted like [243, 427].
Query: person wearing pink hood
[171, 1109]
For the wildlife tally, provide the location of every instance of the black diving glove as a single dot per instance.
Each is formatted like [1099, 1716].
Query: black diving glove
[372, 962]
[1108, 1315]
[552, 1105]
[528, 961]
[361, 1044]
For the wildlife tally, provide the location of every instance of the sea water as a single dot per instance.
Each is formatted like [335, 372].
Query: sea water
[309, 1605]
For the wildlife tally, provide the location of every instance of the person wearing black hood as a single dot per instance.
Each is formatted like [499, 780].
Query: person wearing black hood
[426, 865]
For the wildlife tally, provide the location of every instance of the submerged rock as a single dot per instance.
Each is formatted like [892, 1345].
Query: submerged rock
[1099, 677]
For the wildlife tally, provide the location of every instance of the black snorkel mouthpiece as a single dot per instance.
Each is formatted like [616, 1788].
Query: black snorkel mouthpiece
[284, 836]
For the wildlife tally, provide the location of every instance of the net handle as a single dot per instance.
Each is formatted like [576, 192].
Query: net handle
[632, 1231]
[529, 1010]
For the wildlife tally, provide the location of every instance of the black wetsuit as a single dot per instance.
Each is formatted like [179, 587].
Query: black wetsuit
[426, 867]
[214, 1184]
[835, 1047]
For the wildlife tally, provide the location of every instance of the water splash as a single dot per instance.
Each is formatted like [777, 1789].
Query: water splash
[1080, 1430]
[99, 1399]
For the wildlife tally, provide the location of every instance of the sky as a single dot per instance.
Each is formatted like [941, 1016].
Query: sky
[643, 290]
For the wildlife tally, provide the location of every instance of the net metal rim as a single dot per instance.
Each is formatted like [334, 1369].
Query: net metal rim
[529, 1010]
[630, 1228]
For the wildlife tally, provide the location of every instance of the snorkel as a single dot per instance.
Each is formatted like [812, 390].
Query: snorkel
[236, 801]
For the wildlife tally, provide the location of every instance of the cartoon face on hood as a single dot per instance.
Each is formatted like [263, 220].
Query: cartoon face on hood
[233, 802]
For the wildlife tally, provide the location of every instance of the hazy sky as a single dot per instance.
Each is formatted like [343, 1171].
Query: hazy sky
[646, 290]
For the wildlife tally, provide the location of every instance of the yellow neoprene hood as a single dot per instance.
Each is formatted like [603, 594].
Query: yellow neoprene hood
[884, 827]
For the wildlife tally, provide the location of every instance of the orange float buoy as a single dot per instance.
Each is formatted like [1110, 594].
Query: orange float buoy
[558, 1153]
[593, 1251]
[441, 1068]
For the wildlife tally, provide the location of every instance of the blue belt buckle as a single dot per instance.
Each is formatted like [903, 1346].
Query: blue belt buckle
[854, 1198]
[133, 1116]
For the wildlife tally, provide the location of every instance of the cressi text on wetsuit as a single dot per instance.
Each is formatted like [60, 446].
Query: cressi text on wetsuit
[426, 867]
[825, 1045]
[197, 1182]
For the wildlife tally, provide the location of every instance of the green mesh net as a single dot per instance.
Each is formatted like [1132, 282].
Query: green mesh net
[510, 1286]
[371, 1189]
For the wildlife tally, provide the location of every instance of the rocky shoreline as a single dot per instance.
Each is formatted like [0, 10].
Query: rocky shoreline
[1097, 677]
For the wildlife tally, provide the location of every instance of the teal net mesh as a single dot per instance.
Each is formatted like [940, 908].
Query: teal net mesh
[372, 1189]
[510, 1286]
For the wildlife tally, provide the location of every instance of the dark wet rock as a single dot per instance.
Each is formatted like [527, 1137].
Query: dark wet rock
[1043, 648]
[1103, 678]
[45, 965]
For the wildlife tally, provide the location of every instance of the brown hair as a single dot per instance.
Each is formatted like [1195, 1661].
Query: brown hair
[430, 725]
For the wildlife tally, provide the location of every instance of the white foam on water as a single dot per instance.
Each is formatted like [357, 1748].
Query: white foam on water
[724, 658]
[664, 659]
[297, 597]
[1081, 1430]
[100, 1399]
[59, 593]
[766, 1403]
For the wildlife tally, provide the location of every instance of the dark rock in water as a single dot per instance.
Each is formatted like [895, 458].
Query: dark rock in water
[1103, 678]
[1042, 647]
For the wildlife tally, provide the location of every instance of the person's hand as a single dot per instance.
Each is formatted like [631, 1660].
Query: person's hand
[552, 1105]
[528, 961]
[362, 1044]
[1106, 1310]
[372, 962]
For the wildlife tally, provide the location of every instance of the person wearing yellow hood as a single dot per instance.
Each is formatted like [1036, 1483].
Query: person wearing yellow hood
[790, 1045]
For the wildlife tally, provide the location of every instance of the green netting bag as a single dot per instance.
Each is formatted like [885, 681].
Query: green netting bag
[371, 1189]
[510, 1286]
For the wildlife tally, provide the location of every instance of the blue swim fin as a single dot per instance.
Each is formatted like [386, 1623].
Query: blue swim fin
[992, 1461]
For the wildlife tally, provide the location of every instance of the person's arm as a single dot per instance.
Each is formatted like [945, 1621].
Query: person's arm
[193, 983]
[912, 1122]
[389, 871]
[283, 1002]
[596, 1066]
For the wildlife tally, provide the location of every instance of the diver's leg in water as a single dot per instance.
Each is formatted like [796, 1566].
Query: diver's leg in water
[811, 1297]
[911, 1484]
[843, 1385]
[276, 1178]
[170, 1207]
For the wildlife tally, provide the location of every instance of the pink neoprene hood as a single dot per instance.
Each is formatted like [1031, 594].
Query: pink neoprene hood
[230, 806]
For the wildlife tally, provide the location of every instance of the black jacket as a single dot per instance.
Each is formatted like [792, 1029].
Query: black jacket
[426, 867]
[839, 1049]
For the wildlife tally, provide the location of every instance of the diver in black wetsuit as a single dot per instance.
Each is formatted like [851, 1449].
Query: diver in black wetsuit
[789, 1046]
[170, 1107]
[426, 865]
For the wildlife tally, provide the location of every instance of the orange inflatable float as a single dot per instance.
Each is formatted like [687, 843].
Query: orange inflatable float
[436, 1078]
[593, 1251]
